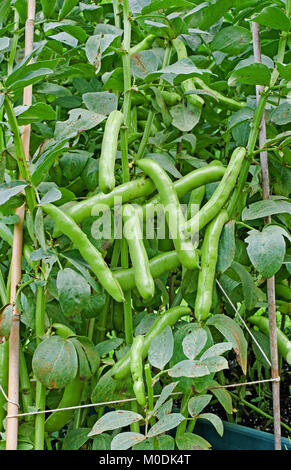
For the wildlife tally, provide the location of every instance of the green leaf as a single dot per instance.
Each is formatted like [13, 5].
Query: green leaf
[52, 195]
[6, 320]
[101, 102]
[185, 118]
[80, 120]
[194, 343]
[189, 368]
[284, 70]
[75, 439]
[226, 247]
[55, 362]
[109, 389]
[165, 4]
[231, 330]
[165, 424]
[102, 442]
[176, 73]
[215, 363]
[161, 348]
[282, 114]
[72, 163]
[29, 78]
[46, 160]
[216, 350]
[265, 208]
[206, 15]
[35, 112]
[166, 392]
[215, 420]
[189, 441]
[114, 420]
[4, 43]
[108, 345]
[65, 38]
[222, 396]
[248, 285]
[266, 249]
[8, 190]
[253, 74]
[143, 63]
[125, 440]
[273, 17]
[232, 40]
[73, 290]
[166, 163]
[198, 403]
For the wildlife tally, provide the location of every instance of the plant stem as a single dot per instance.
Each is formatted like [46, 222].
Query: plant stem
[25, 385]
[14, 42]
[258, 410]
[184, 411]
[146, 135]
[40, 389]
[4, 354]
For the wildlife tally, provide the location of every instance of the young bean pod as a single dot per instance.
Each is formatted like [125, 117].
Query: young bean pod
[108, 151]
[141, 187]
[174, 215]
[136, 370]
[87, 250]
[206, 275]
[138, 255]
[121, 369]
[284, 345]
[220, 195]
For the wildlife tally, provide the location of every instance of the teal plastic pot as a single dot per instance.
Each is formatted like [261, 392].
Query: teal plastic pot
[237, 437]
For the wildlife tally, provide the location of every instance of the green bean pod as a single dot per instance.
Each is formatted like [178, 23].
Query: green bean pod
[174, 215]
[283, 292]
[87, 250]
[108, 151]
[220, 195]
[71, 397]
[121, 369]
[196, 178]
[206, 276]
[136, 370]
[159, 264]
[284, 345]
[138, 255]
[143, 45]
[141, 187]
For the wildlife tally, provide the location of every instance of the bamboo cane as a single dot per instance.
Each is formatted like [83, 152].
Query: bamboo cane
[271, 280]
[13, 377]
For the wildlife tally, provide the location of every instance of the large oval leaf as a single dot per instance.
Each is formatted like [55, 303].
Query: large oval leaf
[231, 330]
[55, 362]
[114, 420]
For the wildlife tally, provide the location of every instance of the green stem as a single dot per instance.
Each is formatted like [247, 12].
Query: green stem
[25, 385]
[102, 321]
[116, 13]
[40, 389]
[3, 291]
[146, 135]
[4, 358]
[19, 151]
[258, 410]
[184, 411]
[150, 390]
[14, 43]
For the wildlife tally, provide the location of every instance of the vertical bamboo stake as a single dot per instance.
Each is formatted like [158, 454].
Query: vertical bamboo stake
[271, 280]
[13, 377]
